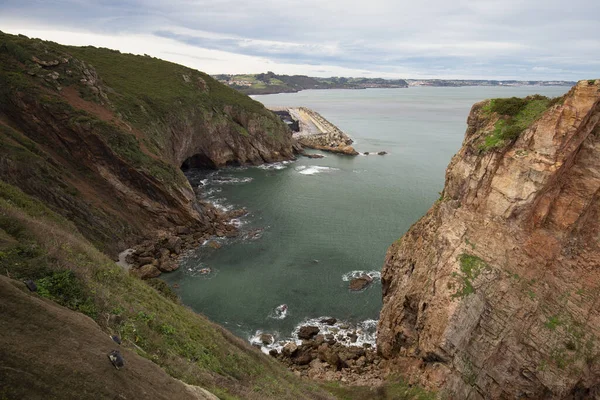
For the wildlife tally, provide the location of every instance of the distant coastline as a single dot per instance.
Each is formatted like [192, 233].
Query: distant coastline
[271, 83]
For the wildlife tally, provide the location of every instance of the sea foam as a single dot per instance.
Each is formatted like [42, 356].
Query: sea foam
[348, 276]
[314, 169]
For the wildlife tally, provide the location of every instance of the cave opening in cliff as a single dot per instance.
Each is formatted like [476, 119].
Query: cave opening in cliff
[198, 161]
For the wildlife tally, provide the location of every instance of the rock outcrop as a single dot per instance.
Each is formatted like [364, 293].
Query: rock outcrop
[494, 293]
[315, 132]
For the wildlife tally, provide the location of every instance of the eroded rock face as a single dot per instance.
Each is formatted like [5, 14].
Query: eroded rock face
[108, 158]
[494, 292]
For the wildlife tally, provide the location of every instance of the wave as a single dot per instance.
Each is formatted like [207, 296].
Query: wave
[279, 312]
[227, 180]
[275, 166]
[200, 270]
[220, 205]
[348, 276]
[314, 169]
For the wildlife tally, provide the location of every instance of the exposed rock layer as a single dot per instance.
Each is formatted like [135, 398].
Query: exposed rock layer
[494, 293]
[103, 146]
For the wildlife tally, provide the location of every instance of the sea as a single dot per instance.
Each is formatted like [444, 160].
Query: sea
[314, 224]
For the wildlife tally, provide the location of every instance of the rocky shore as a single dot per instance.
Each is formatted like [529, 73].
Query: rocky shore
[315, 132]
[328, 357]
[152, 257]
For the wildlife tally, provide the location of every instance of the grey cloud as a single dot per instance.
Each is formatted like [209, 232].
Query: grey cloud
[530, 40]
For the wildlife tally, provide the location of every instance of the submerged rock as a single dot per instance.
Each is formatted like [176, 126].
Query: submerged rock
[214, 244]
[266, 339]
[360, 283]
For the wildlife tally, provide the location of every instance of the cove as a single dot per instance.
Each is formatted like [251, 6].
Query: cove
[313, 222]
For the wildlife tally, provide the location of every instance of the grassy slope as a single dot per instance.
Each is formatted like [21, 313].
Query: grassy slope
[36, 243]
[516, 115]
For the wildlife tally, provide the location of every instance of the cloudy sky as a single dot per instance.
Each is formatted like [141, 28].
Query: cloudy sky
[506, 39]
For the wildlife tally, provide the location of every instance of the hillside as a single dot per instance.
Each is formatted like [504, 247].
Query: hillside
[91, 142]
[99, 136]
[91, 145]
[270, 83]
[494, 292]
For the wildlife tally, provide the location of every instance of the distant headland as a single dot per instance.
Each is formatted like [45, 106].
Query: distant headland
[271, 83]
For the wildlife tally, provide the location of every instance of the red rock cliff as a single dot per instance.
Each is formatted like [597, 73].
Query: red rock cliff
[495, 292]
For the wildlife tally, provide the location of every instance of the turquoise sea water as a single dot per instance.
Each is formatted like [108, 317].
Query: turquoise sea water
[318, 220]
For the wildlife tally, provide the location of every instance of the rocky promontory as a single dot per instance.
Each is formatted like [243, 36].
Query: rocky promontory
[494, 292]
[315, 132]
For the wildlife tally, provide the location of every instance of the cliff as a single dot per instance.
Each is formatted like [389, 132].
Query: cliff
[494, 292]
[91, 144]
[100, 136]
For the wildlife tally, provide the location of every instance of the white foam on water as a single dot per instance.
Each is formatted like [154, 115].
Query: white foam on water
[314, 169]
[348, 276]
[227, 180]
[200, 270]
[365, 331]
[274, 166]
[279, 312]
[237, 222]
[220, 205]
[211, 191]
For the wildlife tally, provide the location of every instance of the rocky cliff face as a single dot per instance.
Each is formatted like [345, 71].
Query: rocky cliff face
[100, 136]
[494, 293]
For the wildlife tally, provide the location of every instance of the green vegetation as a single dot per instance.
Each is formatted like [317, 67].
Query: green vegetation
[36, 243]
[516, 115]
[66, 289]
[471, 267]
[552, 322]
[272, 83]
[394, 388]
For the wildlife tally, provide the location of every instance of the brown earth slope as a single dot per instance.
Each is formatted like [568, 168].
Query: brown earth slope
[495, 292]
[51, 352]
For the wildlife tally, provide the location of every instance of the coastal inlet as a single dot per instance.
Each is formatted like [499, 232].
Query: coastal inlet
[292, 249]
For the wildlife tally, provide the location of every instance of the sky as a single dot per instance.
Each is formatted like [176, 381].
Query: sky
[484, 39]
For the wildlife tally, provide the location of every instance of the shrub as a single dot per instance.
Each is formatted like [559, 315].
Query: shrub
[64, 288]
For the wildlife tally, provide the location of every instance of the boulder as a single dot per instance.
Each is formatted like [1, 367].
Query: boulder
[353, 337]
[273, 353]
[168, 265]
[289, 349]
[146, 271]
[382, 153]
[266, 338]
[174, 244]
[145, 260]
[360, 283]
[308, 332]
[303, 356]
[329, 355]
